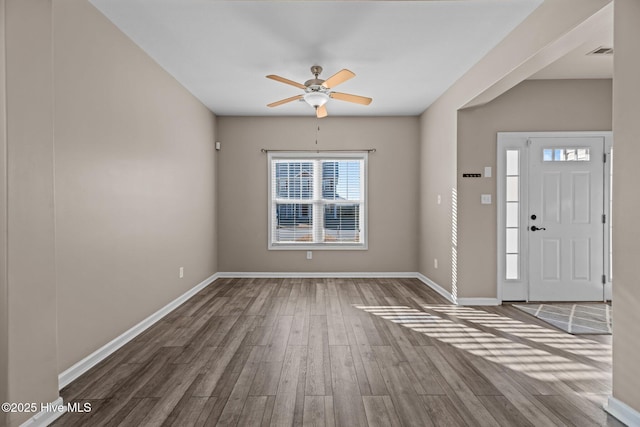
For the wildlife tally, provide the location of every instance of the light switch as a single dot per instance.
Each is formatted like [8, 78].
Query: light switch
[487, 171]
[485, 199]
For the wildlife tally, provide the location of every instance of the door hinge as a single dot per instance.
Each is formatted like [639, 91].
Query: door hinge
[604, 279]
[604, 158]
[604, 218]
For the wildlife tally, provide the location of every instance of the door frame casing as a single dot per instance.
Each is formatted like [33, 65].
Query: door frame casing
[518, 290]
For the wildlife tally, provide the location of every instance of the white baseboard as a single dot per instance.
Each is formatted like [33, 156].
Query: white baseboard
[622, 412]
[433, 285]
[46, 417]
[479, 301]
[97, 356]
[319, 275]
[453, 300]
[384, 274]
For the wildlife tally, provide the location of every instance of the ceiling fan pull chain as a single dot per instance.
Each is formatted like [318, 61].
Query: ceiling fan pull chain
[317, 130]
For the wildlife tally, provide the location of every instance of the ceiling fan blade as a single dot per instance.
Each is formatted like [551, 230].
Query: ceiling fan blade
[287, 81]
[351, 98]
[284, 101]
[339, 77]
[321, 111]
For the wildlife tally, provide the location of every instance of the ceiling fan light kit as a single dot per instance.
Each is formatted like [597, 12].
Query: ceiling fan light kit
[318, 91]
[316, 98]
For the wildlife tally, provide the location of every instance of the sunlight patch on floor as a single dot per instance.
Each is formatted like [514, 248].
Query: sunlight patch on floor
[550, 337]
[518, 356]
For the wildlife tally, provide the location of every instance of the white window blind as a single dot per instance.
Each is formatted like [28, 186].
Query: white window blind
[317, 200]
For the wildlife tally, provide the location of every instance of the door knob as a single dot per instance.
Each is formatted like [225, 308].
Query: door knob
[534, 228]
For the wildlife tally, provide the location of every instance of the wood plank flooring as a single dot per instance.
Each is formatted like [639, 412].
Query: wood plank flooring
[345, 352]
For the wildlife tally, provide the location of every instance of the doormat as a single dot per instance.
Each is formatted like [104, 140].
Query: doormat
[577, 319]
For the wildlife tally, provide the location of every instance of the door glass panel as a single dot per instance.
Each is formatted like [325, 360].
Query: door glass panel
[512, 240]
[512, 214]
[512, 266]
[513, 162]
[558, 155]
[512, 188]
[512, 208]
[566, 155]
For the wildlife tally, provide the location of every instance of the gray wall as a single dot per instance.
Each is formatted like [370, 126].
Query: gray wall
[533, 105]
[134, 180]
[393, 191]
[626, 203]
[107, 175]
[29, 294]
[4, 300]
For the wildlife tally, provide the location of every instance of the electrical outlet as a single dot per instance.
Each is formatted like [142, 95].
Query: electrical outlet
[435, 263]
[181, 272]
[309, 254]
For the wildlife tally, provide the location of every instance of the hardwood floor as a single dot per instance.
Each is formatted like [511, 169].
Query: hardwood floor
[345, 352]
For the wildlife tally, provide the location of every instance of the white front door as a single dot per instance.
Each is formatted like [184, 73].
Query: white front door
[565, 226]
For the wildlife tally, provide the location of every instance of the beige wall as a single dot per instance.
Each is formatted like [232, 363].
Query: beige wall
[626, 204]
[534, 105]
[30, 262]
[107, 186]
[135, 183]
[555, 28]
[242, 191]
[4, 303]
[437, 222]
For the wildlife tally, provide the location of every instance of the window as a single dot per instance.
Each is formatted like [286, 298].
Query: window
[512, 200]
[317, 201]
[565, 155]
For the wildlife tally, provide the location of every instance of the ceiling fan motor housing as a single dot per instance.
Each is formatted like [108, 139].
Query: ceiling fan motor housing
[314, 83]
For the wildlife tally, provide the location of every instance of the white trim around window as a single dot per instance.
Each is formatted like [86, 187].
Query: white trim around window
[317, 201]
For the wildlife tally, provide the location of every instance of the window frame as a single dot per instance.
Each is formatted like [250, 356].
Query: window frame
[317, 202]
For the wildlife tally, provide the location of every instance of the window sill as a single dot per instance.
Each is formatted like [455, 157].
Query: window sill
[318, 247]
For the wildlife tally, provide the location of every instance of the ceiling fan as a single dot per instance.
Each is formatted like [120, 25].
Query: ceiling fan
[317, 91]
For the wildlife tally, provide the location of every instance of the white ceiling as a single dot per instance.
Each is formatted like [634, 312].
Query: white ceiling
[404, 53]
